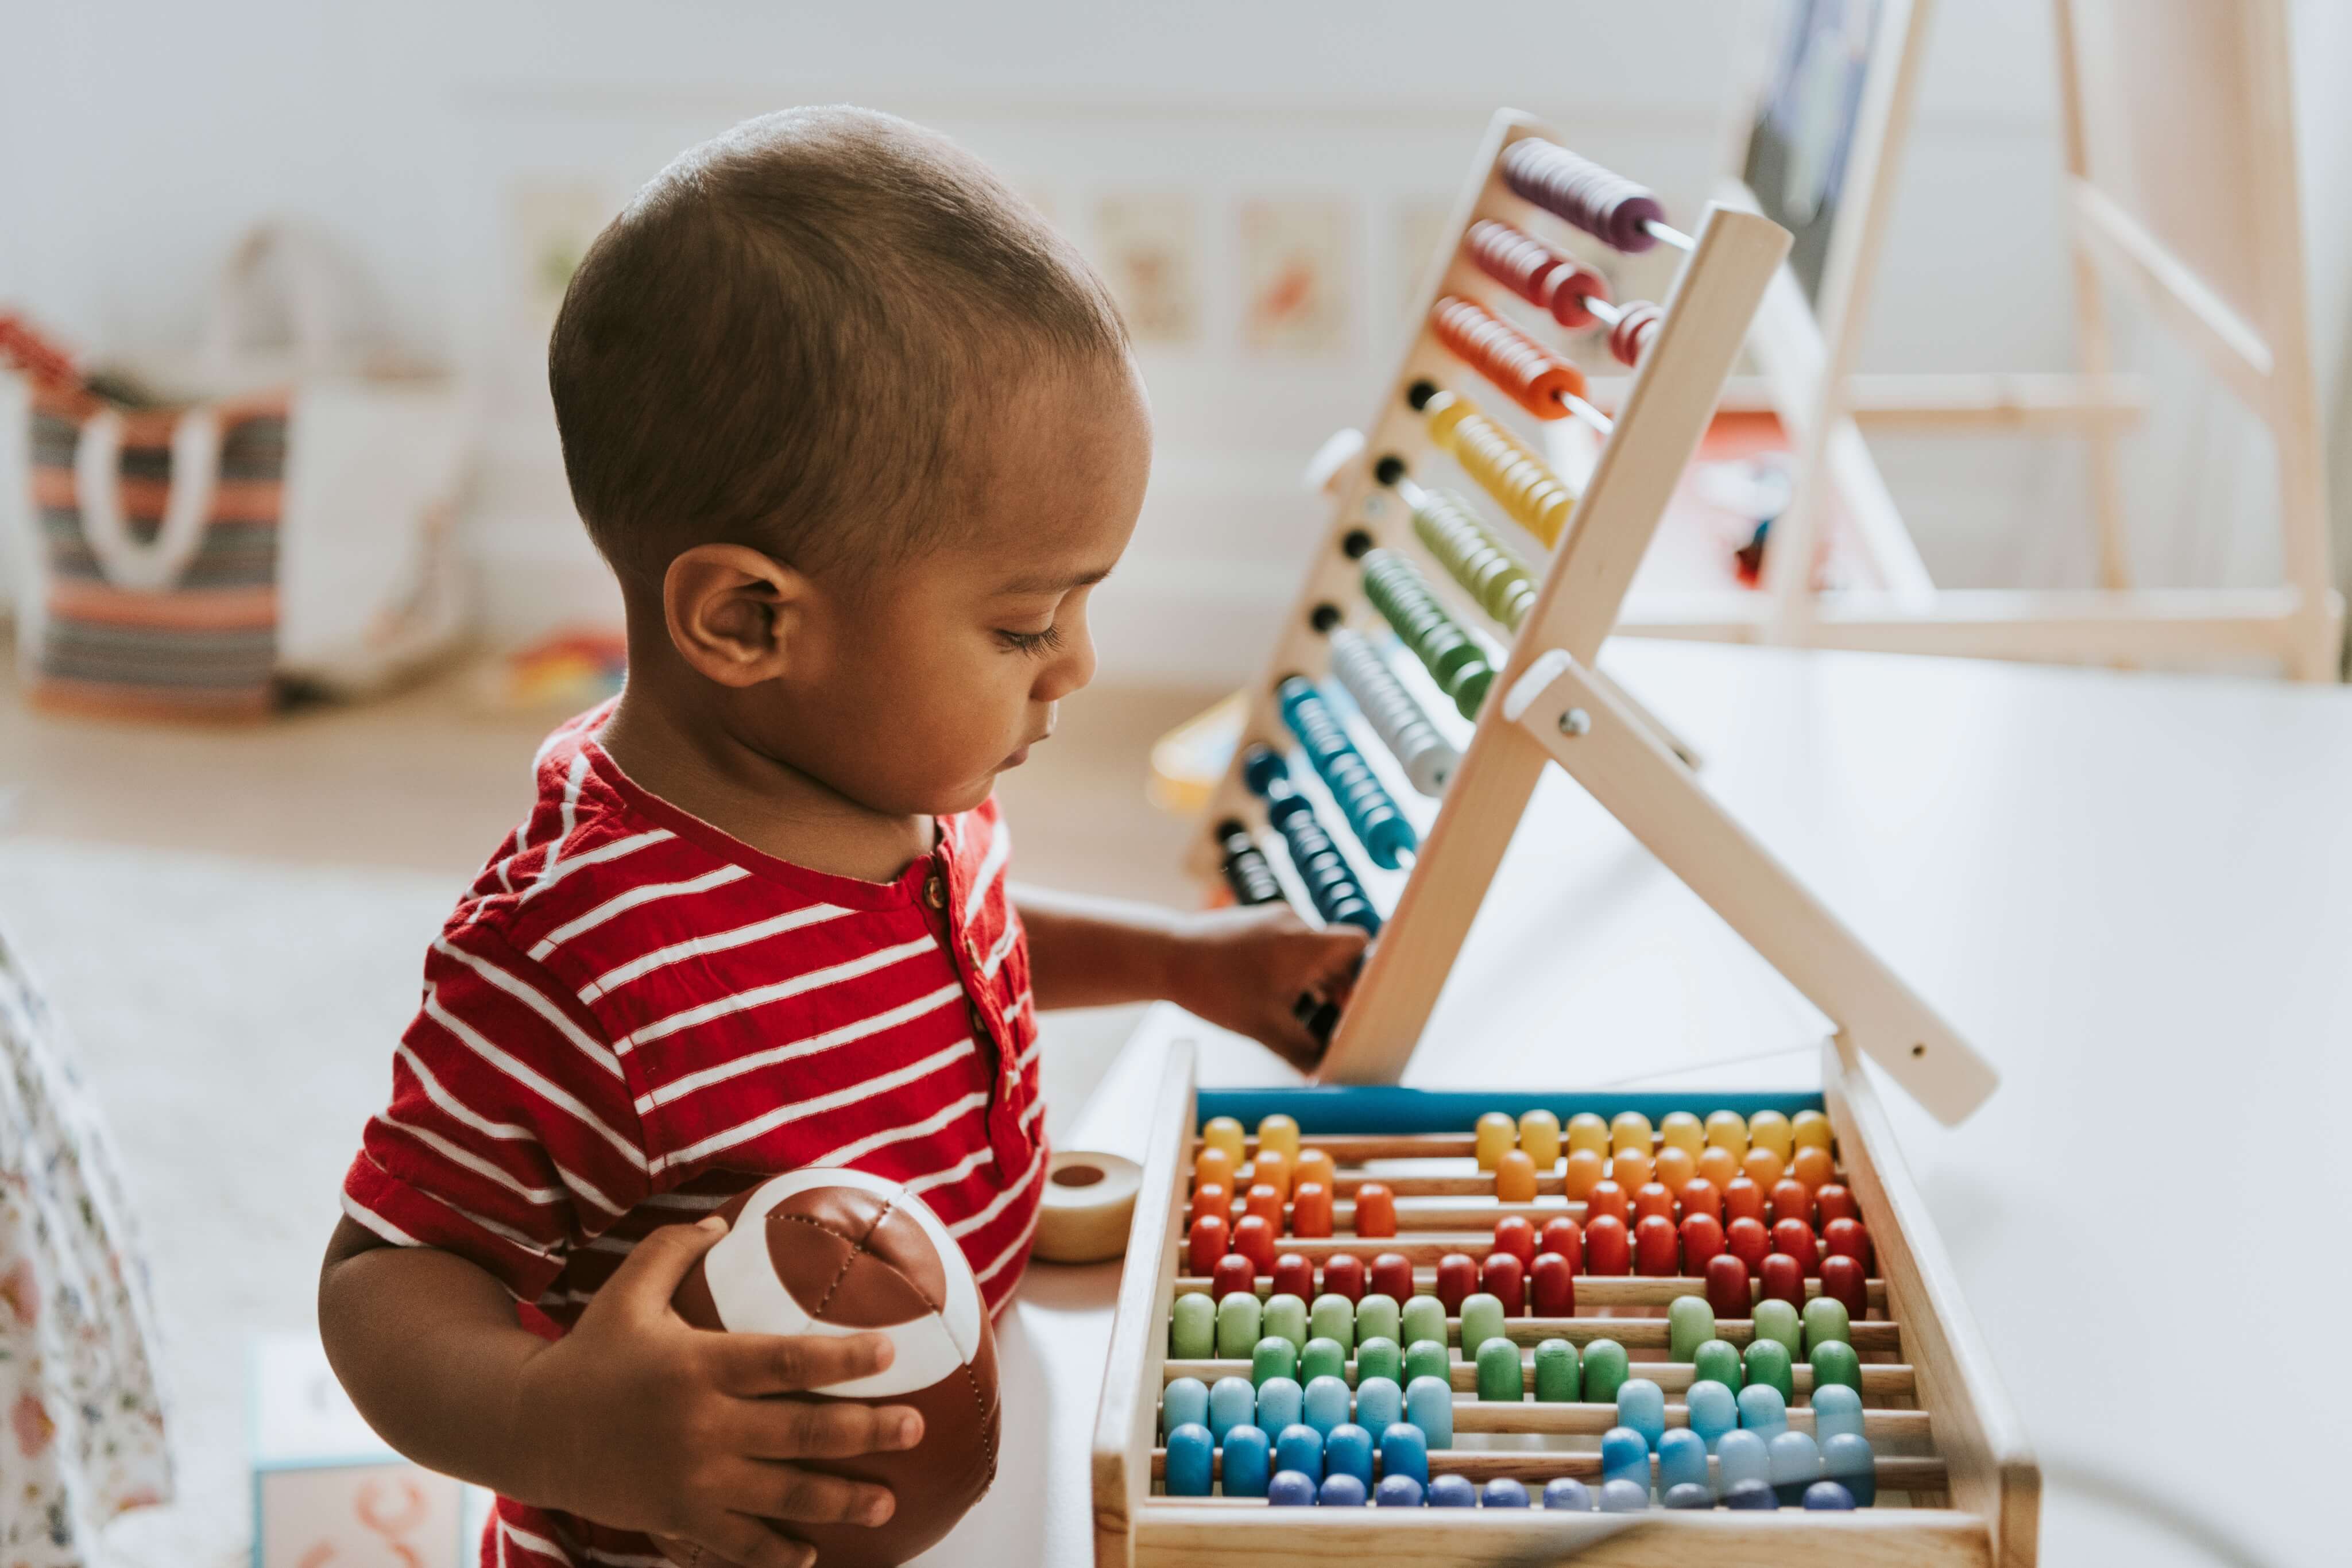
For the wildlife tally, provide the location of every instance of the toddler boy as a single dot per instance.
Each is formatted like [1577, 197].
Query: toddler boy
[858, 435]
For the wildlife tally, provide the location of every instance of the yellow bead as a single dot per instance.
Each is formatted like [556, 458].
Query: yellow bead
[1728, 1130]
[1771, 1129]
[1446, 412]
[1811, 1130]
[1587, 1131]
[1680, 1130]
[1630, 1130]
[1497, 1135]
[1675, 1168]
[1280, 1134]
[1539, 1137]
[1515, 1178]
[1223, 1133]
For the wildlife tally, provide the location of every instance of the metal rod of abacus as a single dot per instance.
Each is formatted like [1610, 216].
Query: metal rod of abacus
[1587, 412]
[1669, 233]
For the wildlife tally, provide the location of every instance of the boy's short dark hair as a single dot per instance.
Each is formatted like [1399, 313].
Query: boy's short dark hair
[781, 341]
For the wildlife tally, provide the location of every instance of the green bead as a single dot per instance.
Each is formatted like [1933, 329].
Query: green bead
[1275, 1356]
[1427, 1358]
[1482, 1320]
[1379, 1356]
[1333, 1317]
[1606, 1368]
[1767, 1361]
[1286, 1315]
[1424, 1318]
[1835, 1362]
[1377, 1317]
[1690, 1324]
[1558, 1380]
[1238, 1325]
[1499, 1372]
[1192, 1328]
[1777, 1319]
[1322, 1358]
[1826, 1319]
[1718, 1359]
[1470, 690]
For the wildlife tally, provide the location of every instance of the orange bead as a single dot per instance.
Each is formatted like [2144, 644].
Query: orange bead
[1630, 1167]
[1791, 1201]
[1266, 1203]
[1514, 1178]
[1212, 1199]
[1813, 1166]
[1763, 1167]
[1674, 1169]
[1584, 1171]
[1835, 1202]
[1375, 1210]
[1272, 1169]
[1699, 1197]
[1515, 1234]
[1254, 1240]
[1652, 1198]
[1608, 1199]
[1742, 1199]
[1315, 1165]
[1310, 1209]
[1718, 1164]
[1212, 1166]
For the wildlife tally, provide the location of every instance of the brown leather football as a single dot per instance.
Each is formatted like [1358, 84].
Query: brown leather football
[826, 1252]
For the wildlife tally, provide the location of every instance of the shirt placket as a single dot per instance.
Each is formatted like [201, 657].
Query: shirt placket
[1007, 1141]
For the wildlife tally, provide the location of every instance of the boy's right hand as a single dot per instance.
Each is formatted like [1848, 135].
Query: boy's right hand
[642, 1422]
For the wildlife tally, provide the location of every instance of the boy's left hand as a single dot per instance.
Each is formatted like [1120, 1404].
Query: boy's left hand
[1246, 969]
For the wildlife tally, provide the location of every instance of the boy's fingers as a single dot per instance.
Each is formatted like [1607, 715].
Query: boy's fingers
[824, 1429]
[808, 1497]
[752, 1363]
[650, 1275]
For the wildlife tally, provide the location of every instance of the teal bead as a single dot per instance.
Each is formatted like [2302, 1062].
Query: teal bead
[1192, 1453]
[1328, 1402]
[1642, 1407]
[1280, 1403]
[1766, 1362]
[1625, 1456]
[1682, 1461]
[1742, 1456]
[1232, 1403]
[1428, 1358]
[1717, 1361]
[1499, 1378]
[1380, 1403]
[1482, 1320]
[1333, 1317]
[1429, 1404]
[1378, 1357]
[1183, 1402]
[1836, 1365]
[1847, 1459]
[1793, 1463]
[1379, 1317]
[1272, 1356]
[1558, 1379]
[1322, 1358]
[1606, 1368]
[1425, 1318]
[1713, 1411]
[1836, 1409]
[1762, 1410]
[1193, 1329]
[1239, 1317]
[1286, 1315]
[1777, 1319]
[1690, 1324]
[1826, 1322]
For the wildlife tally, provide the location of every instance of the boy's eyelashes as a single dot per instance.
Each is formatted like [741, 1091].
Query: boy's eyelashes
[1044, 642]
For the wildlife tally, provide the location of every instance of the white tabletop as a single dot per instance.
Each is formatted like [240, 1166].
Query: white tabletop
[2133, 892]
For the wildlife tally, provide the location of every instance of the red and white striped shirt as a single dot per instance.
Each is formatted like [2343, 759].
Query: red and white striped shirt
[631, 1016]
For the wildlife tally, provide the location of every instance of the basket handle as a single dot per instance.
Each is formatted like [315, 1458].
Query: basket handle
[156, 566]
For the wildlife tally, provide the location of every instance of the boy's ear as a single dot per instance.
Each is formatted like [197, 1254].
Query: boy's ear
[732, 612]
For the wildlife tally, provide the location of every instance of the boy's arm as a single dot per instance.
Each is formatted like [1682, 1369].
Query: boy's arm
[633, 1419]
[1244, 969]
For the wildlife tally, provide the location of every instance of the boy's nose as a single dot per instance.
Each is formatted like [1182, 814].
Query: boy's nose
[1069, 673]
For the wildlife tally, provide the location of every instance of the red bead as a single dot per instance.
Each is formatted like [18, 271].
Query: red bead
[1742, 1199]
[1375, 1210]
[1699, 1197]
[1294, 1276]
[1517, 1237]
[1504, 1277]
[1343, 1275]
[1784, 1280]
[1565, 1237]
[1392, 1277]
[1842, 1277]
[1795, 1237]
[1658, 1250]
[1792, 1199]
[1835, 1201]
[1652, 1198]
[1554, 1286]
[1607, 1197]
[1748, 1240]
[1727, 1294]
[1608, 1250]
[1235, 1273]
[1847, 1239]
[1457, 1278]
[1208, 1241]
[1265, 1202]
[1310, 1209]
[1254, 1240]
[1702, 1240]
[1211, 1199]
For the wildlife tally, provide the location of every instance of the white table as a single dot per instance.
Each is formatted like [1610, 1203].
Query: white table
[2134, 892]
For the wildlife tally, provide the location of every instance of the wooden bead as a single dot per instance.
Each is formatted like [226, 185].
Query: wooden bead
[1727, 1286]
[1280, 1134]
[1771, 1129]
[1608, 1198]
[1727, 1130]
[1552, 1283]
[1234, 1275]
[1378, 1316]
[1237, 1324]
[1504, 1277]
[1211, 1199]
[1700, 1197]
[1702, 1239]
[1782, 1321]
[1690, 1324]
[1628, 1168]
[1271, 1168]
[1608, 1246]
[1482, 1319]
[1516, 1234]
[1783, 1279]
[1212, 1166]
[1457, 1278]
[1585, 1169]
[1674, 1169]
[1391, 1276]
[1652, 1198]
[1795, 1237]
[1847, 1239]
[1563, 1237]
[1606, 1368]
[1834, 1200]
[1657, 1250]
[1206, 1242]
[1809, 1130]
[1294, 1276]
[1748, 1240]
[1559, 1377]
[1792, 1199]
[1844, 1278]
[1193, 1329]
[1763, 1167]
[1223, 1133]
[1681, 1130]
[1314, 1165]
[1375, 1210]
[1344, 1275]
[1310, 1209]
[1264, 1202]
[1718, 1165]
[1717, 1361]
[1514, 1178]
[1630, 1130]
[1497, 1135]
[1540, 1138]
[1254, 1240]
[1587, 1131]
[1742, 1199]
[1813, 1166]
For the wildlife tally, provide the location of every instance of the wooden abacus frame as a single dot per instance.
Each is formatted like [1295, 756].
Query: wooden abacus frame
[1942, 1390]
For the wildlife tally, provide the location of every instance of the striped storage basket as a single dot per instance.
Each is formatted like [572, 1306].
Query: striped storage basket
[159, 557]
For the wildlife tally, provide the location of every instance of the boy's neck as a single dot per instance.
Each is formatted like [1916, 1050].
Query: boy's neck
[748, 795]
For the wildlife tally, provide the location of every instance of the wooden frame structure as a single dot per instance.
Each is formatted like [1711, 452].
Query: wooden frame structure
[2181, 187]
[1947, 1443]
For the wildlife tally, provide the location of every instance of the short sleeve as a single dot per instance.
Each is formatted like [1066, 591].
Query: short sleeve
[513, 1135]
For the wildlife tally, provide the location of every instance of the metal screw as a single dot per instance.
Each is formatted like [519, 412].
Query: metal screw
[1575, 721]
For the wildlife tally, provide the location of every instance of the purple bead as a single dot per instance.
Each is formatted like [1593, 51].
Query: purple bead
[1452, 1491]
[1290, 1489]
[1342, 1491]
[1828, 1496]
[1398, 1491]
[1570, 1494]
[1751, 1494]
[1505, 1493]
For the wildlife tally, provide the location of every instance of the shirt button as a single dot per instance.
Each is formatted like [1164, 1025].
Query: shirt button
[935, 893]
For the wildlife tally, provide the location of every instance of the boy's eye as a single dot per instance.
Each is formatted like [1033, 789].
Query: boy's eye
[1044, 642]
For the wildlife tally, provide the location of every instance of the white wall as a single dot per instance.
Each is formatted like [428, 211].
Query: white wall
[137, 140]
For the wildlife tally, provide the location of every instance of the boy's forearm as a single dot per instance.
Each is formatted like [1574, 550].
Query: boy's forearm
[1099, 952]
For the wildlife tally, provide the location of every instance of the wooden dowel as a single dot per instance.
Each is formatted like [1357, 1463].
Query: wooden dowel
[1880, 1380]
[1348, 1148]
[1591, 1290]
[1895, 1474]
[1422, 1248]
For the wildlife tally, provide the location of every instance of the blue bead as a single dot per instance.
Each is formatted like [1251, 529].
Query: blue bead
[1625, 1456]
[1623, 1497]
[1280, 1403]
[1713, 1411]
[1795, 1464]
[1641, 1405]
[1836, 1408]
[1847, 1459]
[1689, 1494]
[1750, 1494]
[1429, 1404]
[1232, 1403]
[1191, 1455]
[1289, 1488]
[1348, 1450]
[1404, 1452]
[1398, 1491]
[1299, 1447]
[1565, 1493]
[1762, 1410]
[1379, 1403]
[1828, 1497]
[1504, 1492]
[1682, 1458]
[1328, 1404]
[1249, 1463]
[1452, 1491]
[1742, 1457]
[1184, 1400]
[1341, 1491]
